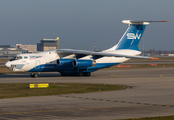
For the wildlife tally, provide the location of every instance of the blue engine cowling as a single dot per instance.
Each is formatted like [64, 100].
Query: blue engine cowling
[84, 63]
[65, 62]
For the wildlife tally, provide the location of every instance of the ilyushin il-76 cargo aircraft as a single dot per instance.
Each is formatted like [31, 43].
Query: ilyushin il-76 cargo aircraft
[82, 62]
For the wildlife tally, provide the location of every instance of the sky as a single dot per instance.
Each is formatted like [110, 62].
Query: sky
[81, 24]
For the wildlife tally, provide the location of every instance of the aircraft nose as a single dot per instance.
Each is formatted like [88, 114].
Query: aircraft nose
[7, 64]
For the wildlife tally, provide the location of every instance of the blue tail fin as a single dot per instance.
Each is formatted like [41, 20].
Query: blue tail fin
[132, 37]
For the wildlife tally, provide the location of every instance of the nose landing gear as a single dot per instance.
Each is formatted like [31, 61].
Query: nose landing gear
[34, 75]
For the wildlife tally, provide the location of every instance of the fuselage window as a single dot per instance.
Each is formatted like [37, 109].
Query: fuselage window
[25, 57]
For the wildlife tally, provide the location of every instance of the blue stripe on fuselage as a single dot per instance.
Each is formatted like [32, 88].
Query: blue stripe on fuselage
[55, 68]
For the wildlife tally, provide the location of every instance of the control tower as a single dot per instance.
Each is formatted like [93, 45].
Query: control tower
[48, 44]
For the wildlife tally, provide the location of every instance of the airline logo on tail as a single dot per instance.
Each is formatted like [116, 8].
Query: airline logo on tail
[133, 36]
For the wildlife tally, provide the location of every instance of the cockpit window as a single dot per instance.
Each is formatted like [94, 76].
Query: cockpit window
[15, 58]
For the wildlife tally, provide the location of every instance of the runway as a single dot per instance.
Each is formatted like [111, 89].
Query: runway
[2, 64]
[151, 95]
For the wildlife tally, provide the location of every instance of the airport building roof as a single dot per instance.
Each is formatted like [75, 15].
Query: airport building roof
[48, 40]
[9, 51]
[7, 46]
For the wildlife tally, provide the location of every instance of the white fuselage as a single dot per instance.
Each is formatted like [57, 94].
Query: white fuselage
[48, 59]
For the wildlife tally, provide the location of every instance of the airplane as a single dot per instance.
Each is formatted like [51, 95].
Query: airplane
[82, 62]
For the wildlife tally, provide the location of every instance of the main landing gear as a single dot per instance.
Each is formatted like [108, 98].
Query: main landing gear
[84, 74]
[77, 74]
[34, 75]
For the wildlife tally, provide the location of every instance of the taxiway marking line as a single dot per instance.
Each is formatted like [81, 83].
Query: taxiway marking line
[68, 109]
[146, 104]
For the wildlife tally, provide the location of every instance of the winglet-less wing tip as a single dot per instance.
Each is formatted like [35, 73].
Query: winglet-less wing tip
[153, 58]
[164, 21]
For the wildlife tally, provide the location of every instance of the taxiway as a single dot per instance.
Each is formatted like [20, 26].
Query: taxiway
[152, 94]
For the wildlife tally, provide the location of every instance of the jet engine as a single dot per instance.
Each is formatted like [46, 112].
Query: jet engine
[84, 63]
[65, 62]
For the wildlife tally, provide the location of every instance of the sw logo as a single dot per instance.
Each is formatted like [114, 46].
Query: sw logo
[133, 36]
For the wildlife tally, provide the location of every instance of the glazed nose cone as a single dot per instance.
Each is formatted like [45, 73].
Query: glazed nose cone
[7, 64]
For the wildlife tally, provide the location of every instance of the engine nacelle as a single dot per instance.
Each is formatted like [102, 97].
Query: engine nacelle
[84, 63]
[65, 62]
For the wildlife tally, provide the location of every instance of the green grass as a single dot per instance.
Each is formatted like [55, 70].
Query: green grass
[13, 90]
[153, 118]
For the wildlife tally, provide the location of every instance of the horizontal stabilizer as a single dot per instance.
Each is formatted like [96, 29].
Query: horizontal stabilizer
[140, 22]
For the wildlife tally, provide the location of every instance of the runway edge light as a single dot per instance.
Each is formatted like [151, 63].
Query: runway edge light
[99, 89]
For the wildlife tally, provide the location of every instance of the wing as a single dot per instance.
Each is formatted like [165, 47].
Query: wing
[83, 53]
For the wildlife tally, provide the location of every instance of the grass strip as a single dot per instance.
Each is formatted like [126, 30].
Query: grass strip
[153, 118]
[13, 90]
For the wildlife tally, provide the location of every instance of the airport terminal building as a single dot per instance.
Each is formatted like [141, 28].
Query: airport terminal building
[10, 51]
[30, 48]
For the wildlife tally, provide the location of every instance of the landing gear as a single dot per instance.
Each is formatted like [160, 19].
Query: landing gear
[80, 74]
[77, 74]
[34, 75]
[63, 74]
[86, 74]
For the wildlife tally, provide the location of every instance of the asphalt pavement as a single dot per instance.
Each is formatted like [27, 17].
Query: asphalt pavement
[151, 95]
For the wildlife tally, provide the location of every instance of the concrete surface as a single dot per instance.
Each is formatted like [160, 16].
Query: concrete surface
[152, 94]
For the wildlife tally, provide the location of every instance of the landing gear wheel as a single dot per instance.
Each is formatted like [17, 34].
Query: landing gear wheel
[80, 74]
[63, 74]
[34, 75]
[87, 74]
